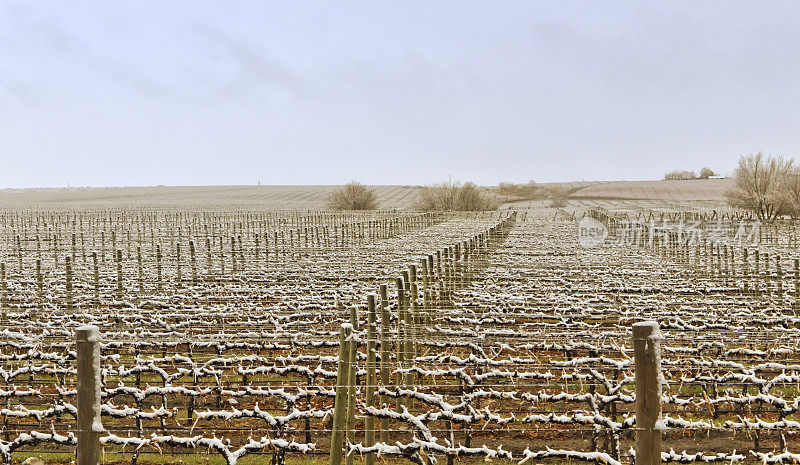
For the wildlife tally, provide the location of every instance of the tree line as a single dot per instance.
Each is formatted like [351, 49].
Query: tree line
[680, 175]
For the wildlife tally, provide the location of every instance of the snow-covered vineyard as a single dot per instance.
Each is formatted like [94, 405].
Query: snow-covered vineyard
[490, 335]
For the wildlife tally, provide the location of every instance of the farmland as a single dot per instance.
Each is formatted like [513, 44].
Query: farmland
[237, 332]
[688, 190]
[193, 197]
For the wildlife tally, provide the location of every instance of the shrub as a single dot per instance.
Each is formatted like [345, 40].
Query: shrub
[558, 195]
[353, 196]
[452, 196]
[528, 191]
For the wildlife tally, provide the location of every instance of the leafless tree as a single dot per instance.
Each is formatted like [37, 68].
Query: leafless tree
[353, 196]
[452, 196]
[760, 184]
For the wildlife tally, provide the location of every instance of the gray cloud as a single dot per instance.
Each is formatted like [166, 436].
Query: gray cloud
[19, 92]
[254, 62]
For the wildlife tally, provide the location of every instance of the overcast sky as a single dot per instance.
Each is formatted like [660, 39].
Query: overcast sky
[234, 92]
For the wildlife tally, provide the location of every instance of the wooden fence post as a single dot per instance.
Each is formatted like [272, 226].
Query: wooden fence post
[372, 380]
[96, 276]
[140, 269]
[796, 283]
[352, 381]
[39, 284]
[384, 400]
[3, 288]
[158, 267]
[68, 287]
[118, 259]
[340, 402]
[194, 262]
[87, 339]
[745, 272]
[179, 275]
[401, 335]
[756, 277]
[647, 354]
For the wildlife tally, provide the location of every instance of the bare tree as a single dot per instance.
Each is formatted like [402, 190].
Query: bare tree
[353, 196]
[471, 198]
[760, 185]
[452, 196]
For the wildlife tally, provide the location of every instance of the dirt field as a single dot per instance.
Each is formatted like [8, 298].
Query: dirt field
[263, 198]
[700, 189]
[276, 198]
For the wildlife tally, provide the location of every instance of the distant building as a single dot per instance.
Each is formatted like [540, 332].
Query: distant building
[716, 176]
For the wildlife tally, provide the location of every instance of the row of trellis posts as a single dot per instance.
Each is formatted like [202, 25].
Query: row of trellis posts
[762, 273]
[459, 262]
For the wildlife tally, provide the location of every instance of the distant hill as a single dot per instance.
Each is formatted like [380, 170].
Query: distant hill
[696, 189]
[193, 197]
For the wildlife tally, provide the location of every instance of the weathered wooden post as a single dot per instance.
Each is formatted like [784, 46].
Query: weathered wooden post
[384, 358]
[87, 339]
[179, 274]
[68, 287]
[352, 381]
[233, 255]
[194, 261]
[158, 267]
[118, 259]
[757, 274]
[408, 323]
[745, 272]
[767, 276]
[413, 310]
[647, 354]
[209, 265]
[39, 284]
[140, 269]
[372, 380]
[796, 283]
[401, 335]
[19, 254]
[3, 289]
[96, 276]
[340, 402]
[426, 297]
